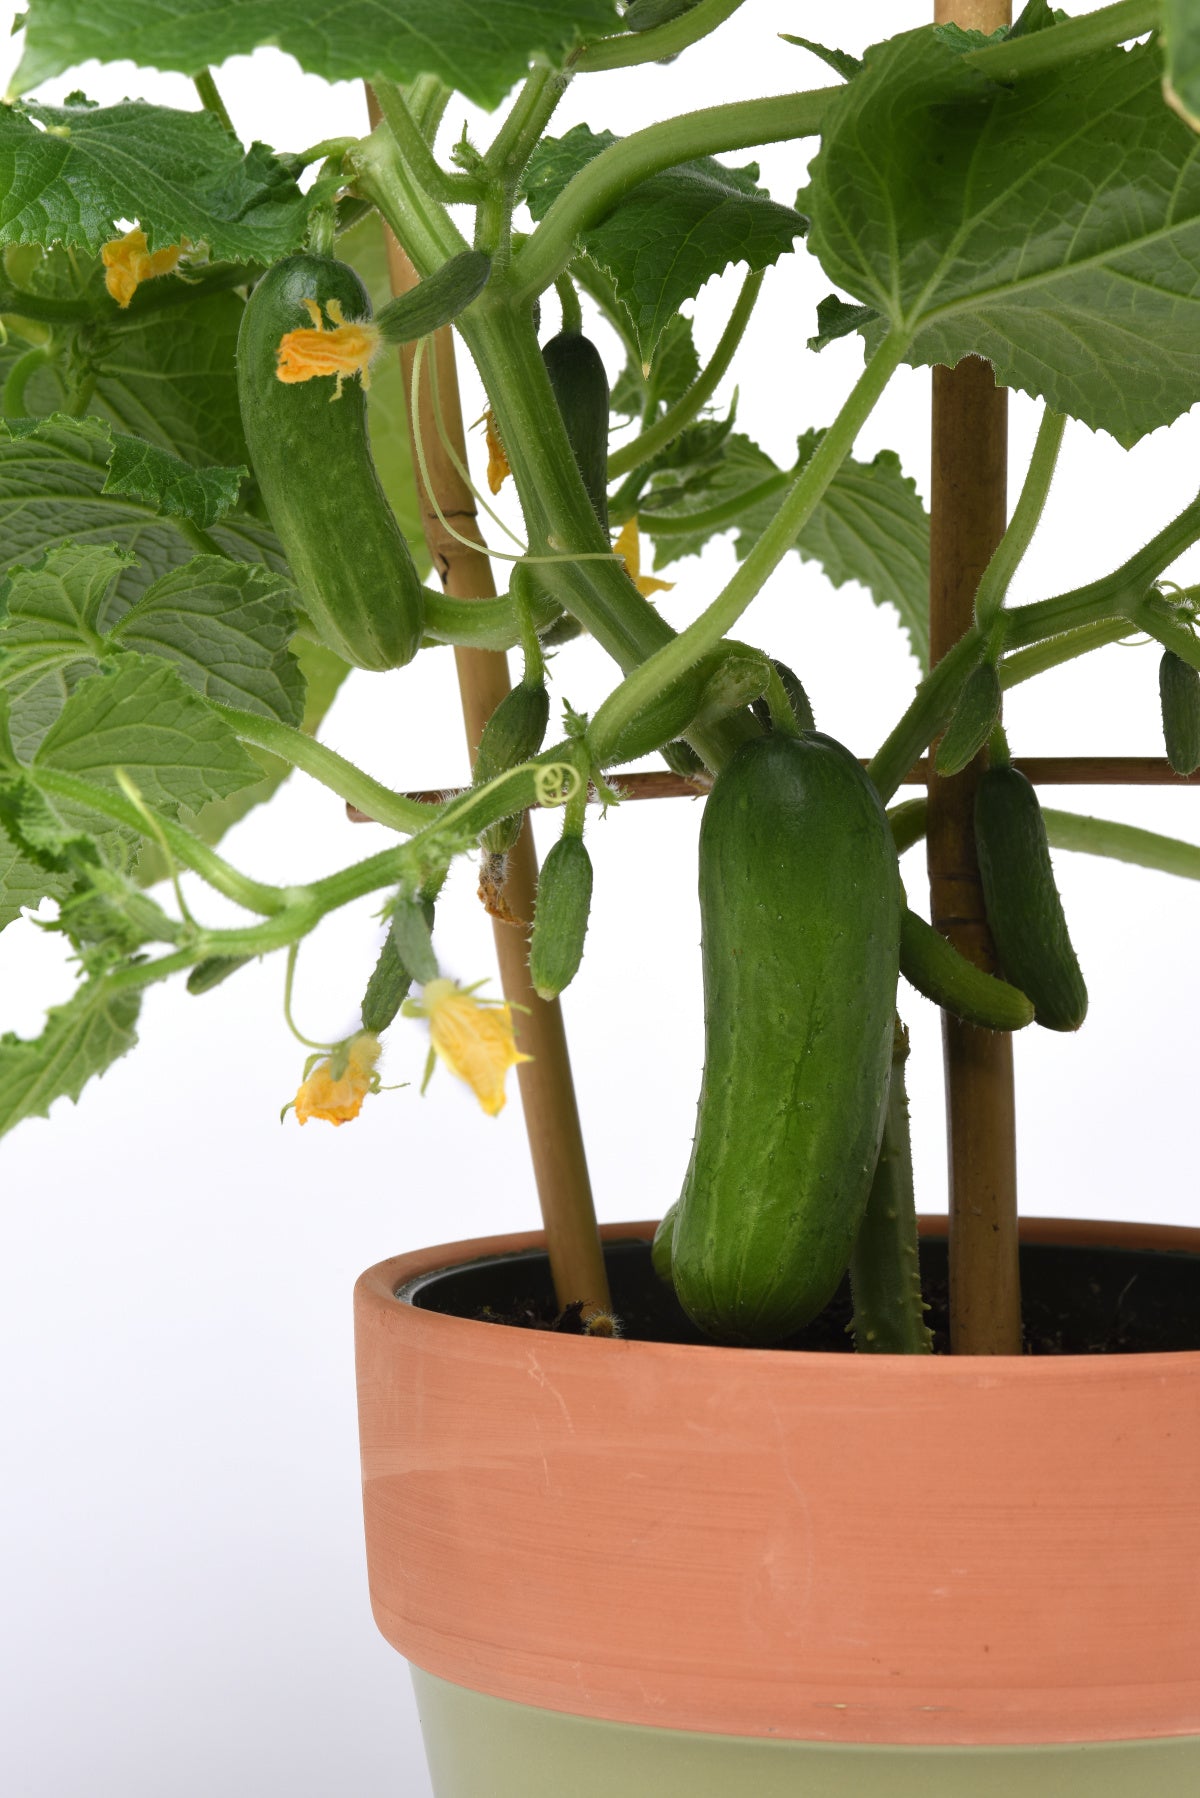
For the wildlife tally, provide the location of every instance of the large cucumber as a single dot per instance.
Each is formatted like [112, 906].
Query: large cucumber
[800, 905]
[355, 574]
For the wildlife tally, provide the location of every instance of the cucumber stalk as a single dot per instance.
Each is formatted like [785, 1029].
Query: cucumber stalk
[885, 1277]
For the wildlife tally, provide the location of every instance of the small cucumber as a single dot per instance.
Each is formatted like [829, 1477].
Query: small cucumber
[407, 955]
[666, 716]
[1179, 691]
[513, 734]
[581, 390]
[357, 580]
[800, 904]
[975, 717]
[437, 300]
[931, 963]
[560, 921]
[213, 970]
[1024, 910]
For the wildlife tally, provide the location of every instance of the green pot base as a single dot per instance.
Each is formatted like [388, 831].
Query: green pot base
[482, 1747]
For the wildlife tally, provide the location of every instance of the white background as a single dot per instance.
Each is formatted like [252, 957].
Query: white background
[183, 1602]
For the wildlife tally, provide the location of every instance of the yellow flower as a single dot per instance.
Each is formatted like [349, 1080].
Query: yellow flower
[628, 547]
[345, 349]
[474, 1037]
[498, 469]
[336, 1087]
[128, 263]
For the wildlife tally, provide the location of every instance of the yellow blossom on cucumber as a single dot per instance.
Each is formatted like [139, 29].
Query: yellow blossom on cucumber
[127, 263]
[498, 470]
[336, 1086]
[473, 1037]
[342, 347]
[628, 547]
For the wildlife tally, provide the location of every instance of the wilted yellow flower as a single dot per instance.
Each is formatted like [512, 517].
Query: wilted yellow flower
[498, 469]
[345, 349]
[128, 263]
[628, 547]
[474, 1037]
[340, 1081]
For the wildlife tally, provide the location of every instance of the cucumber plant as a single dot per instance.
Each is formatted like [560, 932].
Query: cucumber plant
[212, 519]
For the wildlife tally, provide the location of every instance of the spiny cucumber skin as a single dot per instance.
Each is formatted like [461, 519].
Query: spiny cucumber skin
[974, 718]
[1179, 693]
[580, 385]
[564, 898]
[800, 903]
[352, 567]
[437, 300]
[1024, 911]
[513, 734]
[885, 1273]
[931, 964]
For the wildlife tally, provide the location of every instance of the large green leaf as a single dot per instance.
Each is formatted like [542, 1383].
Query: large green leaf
[670, 234]
[81, 1038]
[54, 490]
[869, 527]
[23, 883]
[144, 720]
[1181, 31]
[68, 174]
[1052, 226]
[480, 50]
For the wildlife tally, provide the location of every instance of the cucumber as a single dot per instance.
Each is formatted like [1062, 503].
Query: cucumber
[661, 1247]
[1024, 910]
[513, 734]
[581, 390]
[357, 580]
[800, 904]
[436, 300]
[975, 717]
[930, 962]
[213, 970]
[560, 920]
[1179, 691]
[407, 955]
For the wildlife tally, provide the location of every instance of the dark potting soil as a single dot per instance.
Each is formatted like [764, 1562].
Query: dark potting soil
[1075, 1301]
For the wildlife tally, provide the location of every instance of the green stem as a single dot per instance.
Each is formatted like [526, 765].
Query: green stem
[928, 715]
[671, 662]
[1008, 554]
[1055, 650]
[46, 311]
[211, 100]
[596, 282]
[322, 152]
[633, 455]
[1167, 630]
[437, 182]
[885, 1275]
[628, 48]
[481, 623]
[714, 518]
[509, 152]
[908, 822]
[19, 376]
[568, 300]
[1122, 843]
[332, 770]
[199, 539]
[418, 219]
[186, 848]
[428, 98]
[1068, 42]
[598, 186]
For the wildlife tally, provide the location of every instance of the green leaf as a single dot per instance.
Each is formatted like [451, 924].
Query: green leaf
[161, 480]
[23, 883]
[835, 318]
[673, 368]
[869, 527]
[179, 174]
[1052, 225]
[481, 51]
[53, 479]
[840, 61]
[1181, 32]
[225, 627]
[81, 1038]
[143, 719]
[670, 234]
[387, 411]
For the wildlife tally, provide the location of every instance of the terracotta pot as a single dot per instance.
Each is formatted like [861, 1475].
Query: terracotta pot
[854, 1571]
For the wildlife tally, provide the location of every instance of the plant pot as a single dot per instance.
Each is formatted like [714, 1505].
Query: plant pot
[652, 1567]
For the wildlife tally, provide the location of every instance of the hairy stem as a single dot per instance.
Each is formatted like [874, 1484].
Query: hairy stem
[1065, 43]
[332, 770]
[439, 183]
[211, 100]
[997, 576]
[629, 48]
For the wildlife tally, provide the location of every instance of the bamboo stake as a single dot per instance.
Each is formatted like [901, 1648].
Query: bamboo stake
[968, 516]
[546, 1086]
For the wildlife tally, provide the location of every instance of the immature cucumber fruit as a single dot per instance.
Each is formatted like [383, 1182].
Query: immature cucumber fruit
[356, 578]
[800, 904]
[974, 719]
[931, 963]
[407, 955]
[512, 735]
[1024, 910]
[1179, 690]
[564, 898]
[436, 300]
[581, 389]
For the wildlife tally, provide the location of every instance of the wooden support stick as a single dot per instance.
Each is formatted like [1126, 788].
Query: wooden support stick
[547, 1089]
[968, 514]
